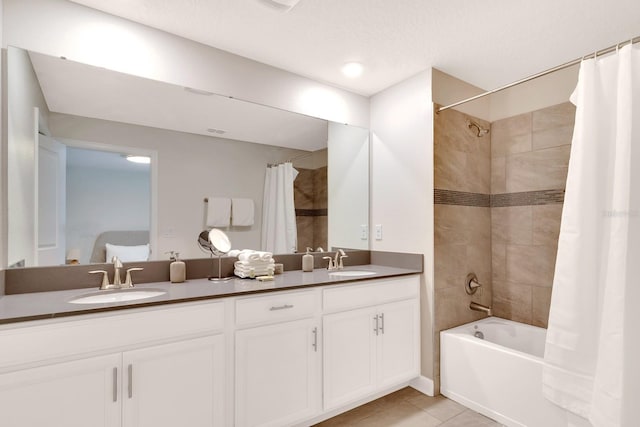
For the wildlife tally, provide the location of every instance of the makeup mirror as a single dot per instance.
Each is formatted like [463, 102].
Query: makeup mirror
[217, 243]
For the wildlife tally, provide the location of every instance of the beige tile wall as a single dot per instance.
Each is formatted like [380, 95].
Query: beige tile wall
[462, 233]
[511, 249]
[529, 152]
[310, 192]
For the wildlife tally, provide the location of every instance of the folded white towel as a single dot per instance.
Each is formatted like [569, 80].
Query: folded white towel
[253, 272]
[248, 256]
[233, 252]
[251, 255]
[242, 212]
[254, 264]
[219, 212]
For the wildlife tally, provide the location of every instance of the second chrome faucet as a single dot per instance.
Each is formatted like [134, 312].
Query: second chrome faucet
[336, 263]
[117, 280]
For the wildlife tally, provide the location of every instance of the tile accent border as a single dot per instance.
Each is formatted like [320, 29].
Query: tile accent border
[526, 198]
[311, 212]
[461, 198]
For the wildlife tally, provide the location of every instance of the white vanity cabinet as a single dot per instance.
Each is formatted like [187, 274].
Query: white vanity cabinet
[282, 358]
[277, 359]
[148, 372]
[175, 384]
[73, 394]
[371, 338]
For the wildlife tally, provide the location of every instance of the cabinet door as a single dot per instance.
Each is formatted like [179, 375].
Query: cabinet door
[277, 374]
[73, 394]
[349, 340]
[398, 342]
[178, 384]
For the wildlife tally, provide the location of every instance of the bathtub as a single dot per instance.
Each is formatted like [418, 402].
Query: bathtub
[498, 372]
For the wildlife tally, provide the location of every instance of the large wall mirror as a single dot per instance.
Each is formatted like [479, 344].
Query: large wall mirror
[71, 188]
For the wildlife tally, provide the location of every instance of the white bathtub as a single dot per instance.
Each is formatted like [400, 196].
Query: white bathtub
[499, 376]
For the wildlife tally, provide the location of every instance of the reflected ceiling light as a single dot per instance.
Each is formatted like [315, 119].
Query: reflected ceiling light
[218, 131]
[352, 69]
[139, 159]
[198, 91]
[281, 5]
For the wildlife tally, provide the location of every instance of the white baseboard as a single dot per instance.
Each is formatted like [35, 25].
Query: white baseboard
[424, 385]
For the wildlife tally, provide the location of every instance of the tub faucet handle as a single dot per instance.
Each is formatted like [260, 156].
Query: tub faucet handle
[471, 284]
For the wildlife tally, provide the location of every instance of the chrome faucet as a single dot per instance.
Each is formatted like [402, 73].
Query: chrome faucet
[117, 265]
[479, 307]
[117, 281]
[337, 262]
[331, 265]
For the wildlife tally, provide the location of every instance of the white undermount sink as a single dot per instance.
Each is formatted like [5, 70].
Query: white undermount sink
[351, 273]
[119, 295]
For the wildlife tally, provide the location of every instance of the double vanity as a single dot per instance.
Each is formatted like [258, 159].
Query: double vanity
[292, 351]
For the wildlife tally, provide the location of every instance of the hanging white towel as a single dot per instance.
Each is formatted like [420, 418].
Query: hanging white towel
[219, 212]
[242, 212]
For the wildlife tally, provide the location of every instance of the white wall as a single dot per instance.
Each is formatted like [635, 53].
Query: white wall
[62, 28]
[22, 126]
[449, 90]
[348, 186]
[533, 95]
[190, 168]
[402, 183]
[3, 168]
[104, 200]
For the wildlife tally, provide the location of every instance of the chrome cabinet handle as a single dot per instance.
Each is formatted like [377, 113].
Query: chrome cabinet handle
[115, 384]
[375, 318]
[130, 385]
[281, 307]
[315, 339]
[382, 323]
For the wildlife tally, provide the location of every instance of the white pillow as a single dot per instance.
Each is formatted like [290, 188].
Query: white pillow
[127, 253]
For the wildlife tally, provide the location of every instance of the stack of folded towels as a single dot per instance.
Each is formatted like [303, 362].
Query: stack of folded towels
[254, 263]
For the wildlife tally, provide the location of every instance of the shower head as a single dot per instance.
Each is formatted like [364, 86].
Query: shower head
[481, 131]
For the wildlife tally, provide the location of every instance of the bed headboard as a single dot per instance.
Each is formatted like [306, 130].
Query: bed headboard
[124, 238]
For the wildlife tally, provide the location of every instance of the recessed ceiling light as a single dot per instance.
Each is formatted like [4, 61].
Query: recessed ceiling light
[139, 159]
[352, 69]
[281, 5]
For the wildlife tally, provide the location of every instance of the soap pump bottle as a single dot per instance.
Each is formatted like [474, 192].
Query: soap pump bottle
[307, 261]
[177, 269]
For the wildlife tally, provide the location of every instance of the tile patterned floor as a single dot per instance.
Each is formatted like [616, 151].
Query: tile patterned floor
[409, 408]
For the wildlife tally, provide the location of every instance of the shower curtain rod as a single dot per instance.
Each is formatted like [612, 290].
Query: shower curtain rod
[291, 160]
[543, 73]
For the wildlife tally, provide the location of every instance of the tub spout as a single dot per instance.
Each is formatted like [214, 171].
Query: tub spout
[479, 307]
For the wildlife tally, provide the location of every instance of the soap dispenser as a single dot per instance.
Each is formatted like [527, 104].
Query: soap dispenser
[177, 269]
[307, 261]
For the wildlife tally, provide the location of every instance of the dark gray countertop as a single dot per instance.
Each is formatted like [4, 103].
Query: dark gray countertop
[47, 305]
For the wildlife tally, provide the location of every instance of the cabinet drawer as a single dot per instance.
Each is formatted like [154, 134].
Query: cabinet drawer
[276, 307]
[372, 293]
[110, 331]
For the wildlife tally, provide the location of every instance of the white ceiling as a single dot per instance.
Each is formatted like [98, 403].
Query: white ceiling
[83, 90]
[486, 43]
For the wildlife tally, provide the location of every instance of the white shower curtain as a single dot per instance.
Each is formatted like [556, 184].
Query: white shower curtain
[592, 350]
[279, 231]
